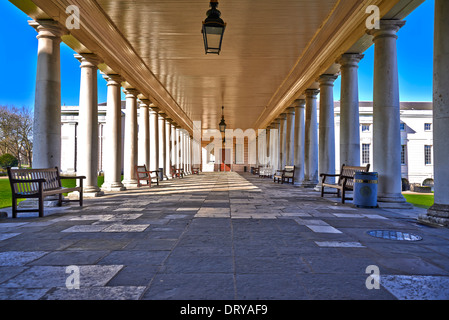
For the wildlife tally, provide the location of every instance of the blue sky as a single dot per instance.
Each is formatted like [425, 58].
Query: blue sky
[18, 54]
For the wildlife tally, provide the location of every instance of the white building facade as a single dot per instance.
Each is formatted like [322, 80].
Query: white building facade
[416, 140]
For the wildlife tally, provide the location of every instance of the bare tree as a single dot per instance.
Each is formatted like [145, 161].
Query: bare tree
[16, 125]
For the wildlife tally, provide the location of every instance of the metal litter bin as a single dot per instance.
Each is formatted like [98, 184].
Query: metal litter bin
[161, 174]
[365, 189]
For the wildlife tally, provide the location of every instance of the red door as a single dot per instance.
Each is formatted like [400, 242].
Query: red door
[225, 156]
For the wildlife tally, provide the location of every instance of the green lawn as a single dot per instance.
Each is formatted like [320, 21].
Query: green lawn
[420, 200]
[5, 190]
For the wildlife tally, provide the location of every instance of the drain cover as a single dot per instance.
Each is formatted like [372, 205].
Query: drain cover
[394, 235]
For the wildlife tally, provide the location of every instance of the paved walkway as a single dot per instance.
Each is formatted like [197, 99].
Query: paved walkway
[220, 236]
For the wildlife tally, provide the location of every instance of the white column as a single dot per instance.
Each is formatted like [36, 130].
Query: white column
[168, 145]
[289, 136]
[283, 146]
[162, 145]
[47, 104]
[87, 151]
[439, 212]
[311, 140]
[349, 110]
[327, 127]
[131, 147]
[178, 147]
[173, 145]
[386, 115]
[154, 138]
[276, 145]
[144, 133]
[299, 140]
[113, 136]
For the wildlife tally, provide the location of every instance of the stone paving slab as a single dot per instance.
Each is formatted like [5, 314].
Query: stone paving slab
[220, 236]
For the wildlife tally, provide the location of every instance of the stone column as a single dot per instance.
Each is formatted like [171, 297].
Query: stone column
[327, 127]
[162, 145]
[173, 145]
[131, 147]
[178, 148]
[113, 136]
[349, 110]
[299, 140]
[47, 103]
[168, 150]
[289, 136]
[439, 212]
[87, 151]
[276, 145]
[154, 138]
[311, 140]
[386, 115]
[144, 133]
[282, 137]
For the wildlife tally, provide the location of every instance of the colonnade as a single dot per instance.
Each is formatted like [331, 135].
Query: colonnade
[151, 137]
[160, 143]
[314, 150]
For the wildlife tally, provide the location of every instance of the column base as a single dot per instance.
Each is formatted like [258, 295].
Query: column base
[86, 194]
[130, 184]
[113, 186]
[438, 215]
[309, 184]
[393, 201]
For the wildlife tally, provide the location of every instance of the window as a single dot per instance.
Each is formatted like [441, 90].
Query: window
[365, 153]
[366, 127]
[402, 126]
[427, 127]
[403, 154]
[428, 155]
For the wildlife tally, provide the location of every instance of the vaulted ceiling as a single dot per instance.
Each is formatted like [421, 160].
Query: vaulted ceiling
[272, 50]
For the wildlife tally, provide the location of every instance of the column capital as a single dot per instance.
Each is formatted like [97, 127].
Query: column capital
[162, 115]
[131, 92]
[47, 28]
[388, 28]
[144, 103]
[350, 59]
[290, 110]
[299, 103]
[327, 79]
[113, 79]
[153, 108]
[312, 93]
[89, 60]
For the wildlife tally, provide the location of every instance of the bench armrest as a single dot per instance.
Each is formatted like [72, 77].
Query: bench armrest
[27, 180]
[75, 177]
[329, 175]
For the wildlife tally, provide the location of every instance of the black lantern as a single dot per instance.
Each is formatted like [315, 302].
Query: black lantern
[213, 29]
[222, 124]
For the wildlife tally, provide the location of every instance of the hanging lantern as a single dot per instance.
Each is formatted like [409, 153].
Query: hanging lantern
[213, 29]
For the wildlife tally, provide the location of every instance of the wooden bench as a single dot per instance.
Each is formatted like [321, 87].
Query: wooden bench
[265, 172]
[345, 181]
[142, 174]
[177, 173]
[285, 175]
[195, 170]
[40, 183]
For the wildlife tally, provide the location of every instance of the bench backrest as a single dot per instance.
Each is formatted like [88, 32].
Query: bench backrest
[141, 172]
[50, 175]
[289, 171]
[349, 171]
